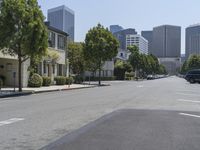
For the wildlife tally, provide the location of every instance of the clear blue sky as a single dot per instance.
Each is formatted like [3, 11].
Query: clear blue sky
[138, 14]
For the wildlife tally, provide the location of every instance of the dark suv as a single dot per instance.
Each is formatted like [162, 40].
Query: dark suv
[193, 76]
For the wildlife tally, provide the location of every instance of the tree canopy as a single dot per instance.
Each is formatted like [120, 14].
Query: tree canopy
[22, 30]
[76, 57]
[192, 63]
[100, 46]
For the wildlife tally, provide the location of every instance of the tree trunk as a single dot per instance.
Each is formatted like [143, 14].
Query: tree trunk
[19, 73]
[99, 73]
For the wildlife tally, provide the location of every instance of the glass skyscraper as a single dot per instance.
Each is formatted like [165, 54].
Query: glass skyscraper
[62, 18]
[192, 40]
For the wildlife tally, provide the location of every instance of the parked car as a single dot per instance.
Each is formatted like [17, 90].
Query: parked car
[193, 76]
[150, 77]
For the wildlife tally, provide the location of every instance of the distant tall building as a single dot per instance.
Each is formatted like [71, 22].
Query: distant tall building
[115, 28]
[139, 41]
[121, 36]
[167, 41]
[148, 35]
[62, 18]
[192, 40]
[167, 46]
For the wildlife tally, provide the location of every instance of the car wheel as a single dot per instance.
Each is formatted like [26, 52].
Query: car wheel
[191, 80]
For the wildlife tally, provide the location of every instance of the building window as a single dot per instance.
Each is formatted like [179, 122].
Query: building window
[61, 42]
[60, 70]
[44, 67]
[52, 39]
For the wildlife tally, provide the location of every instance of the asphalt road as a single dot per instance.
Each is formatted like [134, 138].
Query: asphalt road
[31, 122]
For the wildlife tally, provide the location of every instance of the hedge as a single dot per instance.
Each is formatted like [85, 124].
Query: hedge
[69, 80]
[35, 81]
[60, 80]
[46, 81]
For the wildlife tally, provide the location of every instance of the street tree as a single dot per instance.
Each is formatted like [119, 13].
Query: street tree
[22, 31]
[134, 58]
[100, 46]
[193, 62]
[76, 57]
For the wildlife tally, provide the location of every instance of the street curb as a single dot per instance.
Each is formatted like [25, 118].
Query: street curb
[16, 94]
[47, 91]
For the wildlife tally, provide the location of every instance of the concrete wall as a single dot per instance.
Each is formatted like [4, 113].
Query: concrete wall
[107, 70]
[7, 69]
[172, 65]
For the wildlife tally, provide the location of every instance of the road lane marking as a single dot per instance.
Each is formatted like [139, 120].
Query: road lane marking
[191, 115]
[191, 101]
[10, 121]
[188, 94]
[140, 86]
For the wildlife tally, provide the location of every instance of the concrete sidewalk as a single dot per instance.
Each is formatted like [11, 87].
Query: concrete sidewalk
[9, 92]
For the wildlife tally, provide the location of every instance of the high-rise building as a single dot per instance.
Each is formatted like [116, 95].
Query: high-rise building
[167, 41]
[192, 40]
[115, 28]
[148, 35]
[121, 36]
[167, 46]
[63, 19]
[137, 40]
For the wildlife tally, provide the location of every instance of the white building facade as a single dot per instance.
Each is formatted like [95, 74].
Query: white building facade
[137, 40]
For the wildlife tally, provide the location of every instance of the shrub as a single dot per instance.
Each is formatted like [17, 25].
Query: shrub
[60, 80]
[46, 81]
[129, 75]
[69, 80]
[35, 80]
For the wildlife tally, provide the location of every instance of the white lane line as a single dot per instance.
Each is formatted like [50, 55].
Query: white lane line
[188, 94]
[10, 121]
[191, 115]
[191, 101]
[140, 86]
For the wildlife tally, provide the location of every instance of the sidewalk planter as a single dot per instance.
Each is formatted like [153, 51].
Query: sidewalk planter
[60, 80]
[35, 81]
[46, 81]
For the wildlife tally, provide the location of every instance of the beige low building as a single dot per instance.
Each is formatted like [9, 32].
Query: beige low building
[48, 67]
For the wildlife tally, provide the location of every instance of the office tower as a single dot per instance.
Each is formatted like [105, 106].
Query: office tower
[137, 40]
[167, 46]
[115, 28]
[167, 41]
[192, 40]
[121, 36]
[148, 35]
[62, 18]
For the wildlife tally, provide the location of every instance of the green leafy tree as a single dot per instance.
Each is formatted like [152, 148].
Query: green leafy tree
[121, 68]
[193, 62]
[184, 68]
[76, 58]
[100, 46]
[22, 31]
[135, 58]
